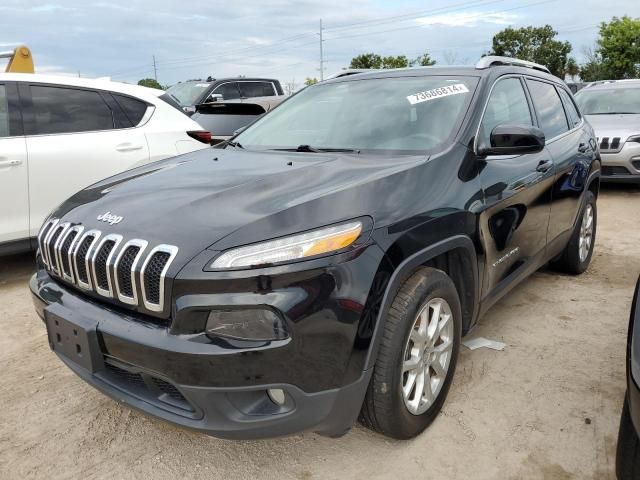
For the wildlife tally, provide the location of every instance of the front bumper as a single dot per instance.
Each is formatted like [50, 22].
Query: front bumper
[220, 388]
[622, 166]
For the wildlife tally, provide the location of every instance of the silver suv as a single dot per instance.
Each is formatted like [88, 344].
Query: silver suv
[613, 109]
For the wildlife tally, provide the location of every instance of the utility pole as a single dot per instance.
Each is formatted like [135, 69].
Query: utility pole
[155, 72]
[321, 54]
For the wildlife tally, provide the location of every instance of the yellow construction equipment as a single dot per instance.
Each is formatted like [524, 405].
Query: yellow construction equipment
[20, 60]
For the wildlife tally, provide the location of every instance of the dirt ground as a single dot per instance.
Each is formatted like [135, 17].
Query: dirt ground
[547, 406]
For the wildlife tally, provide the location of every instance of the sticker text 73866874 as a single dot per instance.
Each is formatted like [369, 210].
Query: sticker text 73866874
[439, 92]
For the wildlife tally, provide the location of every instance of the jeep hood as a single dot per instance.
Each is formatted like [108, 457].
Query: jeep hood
[217, 198]
[615, 125]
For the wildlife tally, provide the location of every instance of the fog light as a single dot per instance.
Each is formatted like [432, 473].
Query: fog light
[277, 396]
[246, 324]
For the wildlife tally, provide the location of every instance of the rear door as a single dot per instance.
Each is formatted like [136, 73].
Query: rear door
[14, 187]
[517, 193]
[74, 138]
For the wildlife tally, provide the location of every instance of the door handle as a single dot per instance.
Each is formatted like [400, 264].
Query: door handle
[544, 166]
[128, 147]
[10, 163]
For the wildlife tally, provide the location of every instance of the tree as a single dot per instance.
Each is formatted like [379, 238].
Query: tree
[366, 60]
[619, 47]
[571, 68]
[536, 44]
[150, 82]
[423, 60]
[401, 61]
[310, 81]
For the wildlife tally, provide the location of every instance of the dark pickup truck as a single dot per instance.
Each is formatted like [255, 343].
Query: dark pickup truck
[323, 264]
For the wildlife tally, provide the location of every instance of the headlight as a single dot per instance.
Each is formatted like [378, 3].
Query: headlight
[295, 247]
[634, 138]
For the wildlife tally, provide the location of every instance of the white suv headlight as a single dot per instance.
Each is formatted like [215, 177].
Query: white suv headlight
[294, 247]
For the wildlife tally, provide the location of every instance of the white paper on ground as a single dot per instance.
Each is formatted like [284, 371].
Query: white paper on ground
[480, 342]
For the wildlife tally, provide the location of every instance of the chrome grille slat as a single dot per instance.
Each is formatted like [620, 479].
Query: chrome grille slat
[106, 264]
[122, 296]
[108, 244]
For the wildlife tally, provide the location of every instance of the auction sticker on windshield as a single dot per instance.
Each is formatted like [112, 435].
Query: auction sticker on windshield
[437, 93]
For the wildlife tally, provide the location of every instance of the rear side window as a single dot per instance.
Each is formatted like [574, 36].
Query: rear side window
[134, 109]
[4, 112]
[570, 108]
[229, 91]
[256, 89]
[549, 107]
[507, 105]
[68, 110]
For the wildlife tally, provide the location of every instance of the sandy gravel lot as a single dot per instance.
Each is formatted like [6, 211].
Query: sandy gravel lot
[546, 407]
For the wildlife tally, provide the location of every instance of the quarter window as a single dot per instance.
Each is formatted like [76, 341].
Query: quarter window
[4, 112]
[67, 110]
[134, 109]
[256, 89]
[507, 105]
[549, 107]
[229, 91]
[570, 107]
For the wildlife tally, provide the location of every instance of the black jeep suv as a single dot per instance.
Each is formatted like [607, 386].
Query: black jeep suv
[325, 262]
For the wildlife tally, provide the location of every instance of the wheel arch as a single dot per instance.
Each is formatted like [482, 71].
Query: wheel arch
[456, 256]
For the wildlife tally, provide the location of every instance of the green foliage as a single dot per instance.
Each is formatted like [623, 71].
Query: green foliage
[151, 83]
[424, 60]
[619, 48]
[536, 44]
[310, 81]
[571, 68]
[373, 60]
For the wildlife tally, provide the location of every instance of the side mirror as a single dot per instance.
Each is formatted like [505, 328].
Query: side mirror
[513, 140]
[215, 97]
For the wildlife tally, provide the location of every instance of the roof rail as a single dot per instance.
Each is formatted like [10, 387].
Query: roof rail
[492, 60]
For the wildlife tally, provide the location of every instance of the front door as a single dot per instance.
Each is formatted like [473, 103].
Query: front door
[517, 194]
[14, 187]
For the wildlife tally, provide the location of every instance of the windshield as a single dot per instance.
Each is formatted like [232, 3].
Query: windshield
[404, 115]
[188, 93]
[609, 101]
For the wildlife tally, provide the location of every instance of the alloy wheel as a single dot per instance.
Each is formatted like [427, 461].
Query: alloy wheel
[586, 233]
[427, 356]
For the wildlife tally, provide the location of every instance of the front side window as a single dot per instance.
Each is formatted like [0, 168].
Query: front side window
[4, 112]
[407, 115]
[572, 111]
[553, 121]
[609, 101]
[229, 91]
[506, 105]
[256, 89]
[67, 110]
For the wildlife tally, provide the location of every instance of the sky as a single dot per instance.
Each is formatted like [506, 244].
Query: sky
[276, 38]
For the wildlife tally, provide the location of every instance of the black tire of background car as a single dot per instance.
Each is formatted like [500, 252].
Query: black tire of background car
[383, 409]
[569, 260]
[628, 453]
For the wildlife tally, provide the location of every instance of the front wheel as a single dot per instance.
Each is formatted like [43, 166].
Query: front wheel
[577, 254]
[417, 356]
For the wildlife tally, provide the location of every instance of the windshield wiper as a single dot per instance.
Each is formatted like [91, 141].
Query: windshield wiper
[234, 144]
[310, 149]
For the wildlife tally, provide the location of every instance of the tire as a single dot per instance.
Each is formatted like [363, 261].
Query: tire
[386, 409]
[628, 452]
[571, 260]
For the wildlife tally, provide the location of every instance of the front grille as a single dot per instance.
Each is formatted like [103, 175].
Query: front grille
[124, 270]
[613, 171]
[152, 275]
[609, 145]
[92, 262]
[100, 261]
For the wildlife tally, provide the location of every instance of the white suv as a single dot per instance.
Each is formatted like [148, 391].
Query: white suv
[59, 135]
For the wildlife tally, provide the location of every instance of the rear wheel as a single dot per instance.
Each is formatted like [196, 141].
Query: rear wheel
[628, 453]
[577, 254]
[417, 356]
